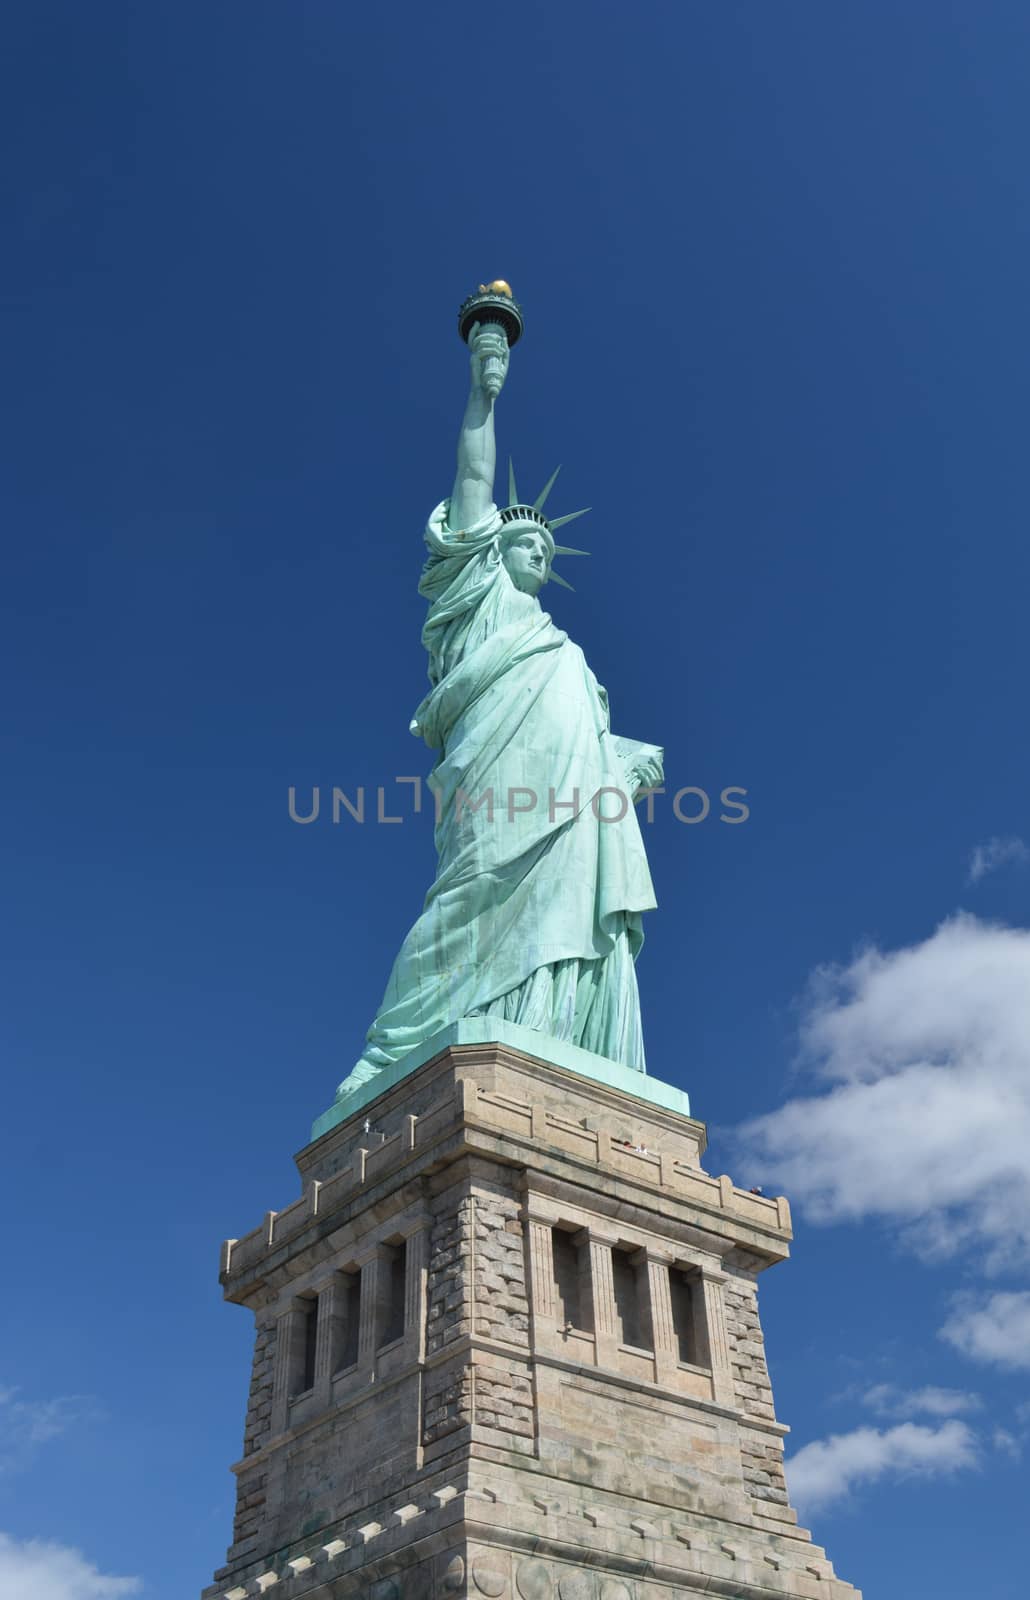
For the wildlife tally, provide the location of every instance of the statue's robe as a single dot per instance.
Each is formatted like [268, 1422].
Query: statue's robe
[534, 915]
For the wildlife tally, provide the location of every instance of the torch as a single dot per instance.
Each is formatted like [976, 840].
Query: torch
[494, 303]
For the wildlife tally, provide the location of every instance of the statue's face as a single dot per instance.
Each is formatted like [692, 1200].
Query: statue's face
[526, 558]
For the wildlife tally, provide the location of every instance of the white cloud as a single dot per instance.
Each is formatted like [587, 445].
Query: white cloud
[829, 1469]
[32, 1569]
[889, 1401]
[1008, 1443]
[924, 1115]
[27, 1424]
[995, 1330]
[994, 854]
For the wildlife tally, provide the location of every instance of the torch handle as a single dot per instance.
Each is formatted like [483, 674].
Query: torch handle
[494, 367]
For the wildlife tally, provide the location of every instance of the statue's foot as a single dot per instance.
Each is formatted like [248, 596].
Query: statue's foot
[361, 1074]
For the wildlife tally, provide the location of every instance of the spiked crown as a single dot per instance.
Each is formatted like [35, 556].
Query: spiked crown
[518, 513]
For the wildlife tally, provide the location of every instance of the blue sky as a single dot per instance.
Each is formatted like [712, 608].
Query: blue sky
[773, 258]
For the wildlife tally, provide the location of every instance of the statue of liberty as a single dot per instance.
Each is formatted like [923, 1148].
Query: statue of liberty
[534, 914]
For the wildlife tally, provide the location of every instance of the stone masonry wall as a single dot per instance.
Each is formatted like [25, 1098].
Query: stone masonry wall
[477, 1283]
[448, 1401]
[450, 1278]
[761, 1453]
[747, 1353]
[251, 1487]
[504, 1397]
[502, 1306]
[250, 1515]
[762, 1457]
[503, 1388]
[259, 1403]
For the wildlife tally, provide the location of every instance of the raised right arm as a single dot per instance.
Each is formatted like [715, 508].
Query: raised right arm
[472, 495]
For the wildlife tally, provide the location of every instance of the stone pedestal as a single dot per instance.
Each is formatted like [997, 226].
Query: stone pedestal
[508, 1345]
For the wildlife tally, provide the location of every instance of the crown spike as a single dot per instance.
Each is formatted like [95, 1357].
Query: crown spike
[538, 503]
[513, 493]
[560, 521]
[567, 550]
[555, 577]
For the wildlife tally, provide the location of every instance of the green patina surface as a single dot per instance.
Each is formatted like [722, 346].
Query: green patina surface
[490, 1030]
[534, 915]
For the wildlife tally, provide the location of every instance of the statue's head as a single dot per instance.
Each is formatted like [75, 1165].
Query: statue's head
[527, 551]
[527, 539]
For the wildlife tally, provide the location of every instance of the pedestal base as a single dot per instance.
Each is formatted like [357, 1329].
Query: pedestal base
[508, 1345]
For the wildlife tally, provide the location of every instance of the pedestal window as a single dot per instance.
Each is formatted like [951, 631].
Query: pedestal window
[393, 1270]
[308, 1343]
[688, 1317]
[347, 1321]
[632, 1311]
[571, 1292]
